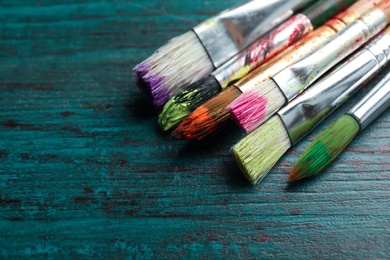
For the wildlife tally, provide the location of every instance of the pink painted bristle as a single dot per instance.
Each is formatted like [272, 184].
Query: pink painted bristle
[248, 109]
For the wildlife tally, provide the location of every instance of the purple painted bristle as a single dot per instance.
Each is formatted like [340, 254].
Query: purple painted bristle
[151, 85]
[160, 98]
[142, 69]
[154, 82]
[160, 95]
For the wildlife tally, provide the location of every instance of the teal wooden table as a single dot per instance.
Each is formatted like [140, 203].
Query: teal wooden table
[85, 171]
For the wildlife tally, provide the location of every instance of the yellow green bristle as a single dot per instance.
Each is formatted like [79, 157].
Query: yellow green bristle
[325, 148]
[186, 101]
[259, 151]
[173, 112]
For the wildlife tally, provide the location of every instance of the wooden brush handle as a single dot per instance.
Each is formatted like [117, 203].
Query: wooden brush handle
[356, 10]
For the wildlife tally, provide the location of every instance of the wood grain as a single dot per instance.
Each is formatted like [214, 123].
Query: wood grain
[85, 171]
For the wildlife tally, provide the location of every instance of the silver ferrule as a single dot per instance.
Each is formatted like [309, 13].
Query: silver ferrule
[373, 104]
[375, 20]
[294, 79]
[227, 34]
[263, 49]
[302, 114]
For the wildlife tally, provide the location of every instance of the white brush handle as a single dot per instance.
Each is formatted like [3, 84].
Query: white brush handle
[373, 104]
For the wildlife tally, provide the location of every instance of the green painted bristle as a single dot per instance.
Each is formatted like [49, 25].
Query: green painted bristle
[325, 148]
[186, 101]
[260, 150]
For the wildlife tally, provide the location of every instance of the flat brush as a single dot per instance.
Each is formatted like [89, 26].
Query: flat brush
[254, 107]
[213, 115]
[195, 54]
[330, 143]
[189, 98]
[260, 150]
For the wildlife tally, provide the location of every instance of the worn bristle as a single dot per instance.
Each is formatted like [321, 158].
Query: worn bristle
[259, 151]
[187, 100]
[325, 148]
[195, 126]
[209, 118]
[181, 61]
[254, 107]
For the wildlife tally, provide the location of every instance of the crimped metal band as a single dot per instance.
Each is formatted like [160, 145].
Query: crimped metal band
[265, 47]
[373, 104]
[309, 109]
[302, 74]
[230, 32]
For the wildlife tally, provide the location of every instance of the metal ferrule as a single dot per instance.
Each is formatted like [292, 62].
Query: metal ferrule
[309, 109]
[263, 49]
[227, 34]
[373, 104]
[294, 79]
[375, 20]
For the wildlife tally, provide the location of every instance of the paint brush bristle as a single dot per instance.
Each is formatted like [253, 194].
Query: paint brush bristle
[254, 107]
[209, 118]
[187, 100]
[259, 151]
[180, 62]
[325, 148]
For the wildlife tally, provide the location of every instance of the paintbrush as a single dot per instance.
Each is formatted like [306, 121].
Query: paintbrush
[213, 115]
[195, 54]
[331, 142]
[189, 98]
[260, 150]
[254, 107]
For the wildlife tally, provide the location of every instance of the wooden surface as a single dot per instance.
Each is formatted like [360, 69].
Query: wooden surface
[85, 171]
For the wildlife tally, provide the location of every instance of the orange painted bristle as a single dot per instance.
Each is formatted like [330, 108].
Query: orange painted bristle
[209, 118]
[195, 126]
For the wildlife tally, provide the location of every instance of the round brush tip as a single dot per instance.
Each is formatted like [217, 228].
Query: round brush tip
[294, 176]
[178, 135]
[326, 147]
